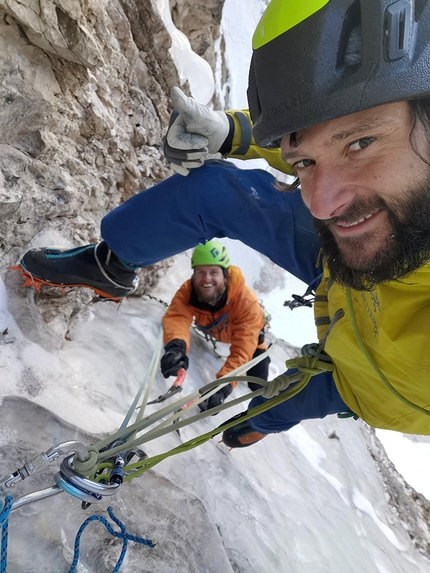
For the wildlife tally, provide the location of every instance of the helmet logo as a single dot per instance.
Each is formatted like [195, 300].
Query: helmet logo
[210, 253]
[295, 101]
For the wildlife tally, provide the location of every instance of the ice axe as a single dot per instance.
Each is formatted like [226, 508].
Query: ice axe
[175, 388]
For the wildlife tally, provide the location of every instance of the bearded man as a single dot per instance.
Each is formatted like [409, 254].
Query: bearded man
[342, 88]
[220, 304]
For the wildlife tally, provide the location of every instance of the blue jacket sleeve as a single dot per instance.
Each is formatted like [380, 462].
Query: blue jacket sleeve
[216, 200]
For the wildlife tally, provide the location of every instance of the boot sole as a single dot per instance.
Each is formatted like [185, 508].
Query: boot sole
[36, 283]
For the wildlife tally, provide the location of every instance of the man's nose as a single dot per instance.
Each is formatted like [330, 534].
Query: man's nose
[328, 191]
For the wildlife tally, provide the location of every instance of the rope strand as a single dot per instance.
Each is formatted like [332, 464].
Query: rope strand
[126, 537]
[4, 524]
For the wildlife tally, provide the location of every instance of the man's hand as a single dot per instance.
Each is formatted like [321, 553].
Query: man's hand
[216, 399]
[194, 131]
[174, 358]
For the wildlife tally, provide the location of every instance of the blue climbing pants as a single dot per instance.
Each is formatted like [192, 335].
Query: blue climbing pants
[219, 200]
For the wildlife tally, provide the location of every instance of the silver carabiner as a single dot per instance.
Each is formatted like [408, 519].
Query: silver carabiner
[41, 461]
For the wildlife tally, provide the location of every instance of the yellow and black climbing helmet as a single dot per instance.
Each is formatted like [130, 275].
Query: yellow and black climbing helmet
[316, 60]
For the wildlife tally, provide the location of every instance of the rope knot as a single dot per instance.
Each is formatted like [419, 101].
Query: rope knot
[313, 361]
[275, 386]
[122, 534]
[89, 466]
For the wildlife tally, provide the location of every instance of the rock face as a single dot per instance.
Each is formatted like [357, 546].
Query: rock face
[408, 505]
[200, 24]
[84, 96]
[84, 106]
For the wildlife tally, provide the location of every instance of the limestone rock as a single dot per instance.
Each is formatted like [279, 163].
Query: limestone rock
[84, 92]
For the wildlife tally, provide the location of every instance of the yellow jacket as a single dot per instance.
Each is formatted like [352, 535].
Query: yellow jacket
[240, 320]
[392, 323]
[244, 146]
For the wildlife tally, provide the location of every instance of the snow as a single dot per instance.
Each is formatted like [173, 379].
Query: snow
[190, 66]
[307, 501]
[366, 507]
[238, 41]
[411, 457]
[301, 501]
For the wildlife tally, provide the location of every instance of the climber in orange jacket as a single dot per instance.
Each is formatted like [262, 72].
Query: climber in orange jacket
[221, 306]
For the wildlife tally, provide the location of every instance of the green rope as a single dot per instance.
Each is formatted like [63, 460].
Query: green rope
[308, 366]
[372, 362]
[103, 450]
[141, 467]
[147, 382]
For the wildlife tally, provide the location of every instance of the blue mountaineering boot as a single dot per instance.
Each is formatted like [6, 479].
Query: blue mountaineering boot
[92, 266]
[241, 435]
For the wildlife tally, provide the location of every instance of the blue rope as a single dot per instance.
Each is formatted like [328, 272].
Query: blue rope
[4, 523]
[121, 535]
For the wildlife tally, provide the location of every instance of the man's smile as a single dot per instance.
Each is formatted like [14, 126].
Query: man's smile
[373, 221]
[359, 220]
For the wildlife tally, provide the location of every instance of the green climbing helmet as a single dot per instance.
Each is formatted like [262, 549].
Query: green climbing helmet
[211, 253]
[317, 60]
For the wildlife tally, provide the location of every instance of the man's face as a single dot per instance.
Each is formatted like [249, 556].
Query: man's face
[209, 283]
[368, 192]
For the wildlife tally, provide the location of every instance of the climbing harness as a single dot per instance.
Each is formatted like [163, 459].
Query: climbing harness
[198, 330]
[217, 326]
[208, 338]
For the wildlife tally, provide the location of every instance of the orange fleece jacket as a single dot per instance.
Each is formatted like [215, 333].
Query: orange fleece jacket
[242, 323]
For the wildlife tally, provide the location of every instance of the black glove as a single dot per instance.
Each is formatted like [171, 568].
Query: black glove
[216, 399]
[174, 357]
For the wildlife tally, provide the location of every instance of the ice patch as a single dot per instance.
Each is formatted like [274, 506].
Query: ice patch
[190, 66]
[365, 506]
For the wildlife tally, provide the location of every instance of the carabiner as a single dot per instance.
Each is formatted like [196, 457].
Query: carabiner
[67, 477]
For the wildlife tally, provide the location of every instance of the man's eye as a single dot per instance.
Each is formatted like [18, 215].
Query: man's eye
[303, 163]
[361, 143]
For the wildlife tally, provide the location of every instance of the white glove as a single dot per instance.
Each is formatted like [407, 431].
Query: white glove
[194, 131]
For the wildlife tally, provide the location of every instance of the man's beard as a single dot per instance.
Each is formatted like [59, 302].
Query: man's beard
[406, 247]
[213, 298]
